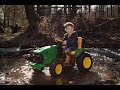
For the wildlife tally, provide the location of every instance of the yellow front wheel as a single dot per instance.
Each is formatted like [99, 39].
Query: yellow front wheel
[56, 69]
[84, 62]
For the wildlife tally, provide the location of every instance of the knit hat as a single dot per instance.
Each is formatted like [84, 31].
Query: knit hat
[68, 23]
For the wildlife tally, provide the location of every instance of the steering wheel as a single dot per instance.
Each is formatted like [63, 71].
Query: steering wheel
[58, 40]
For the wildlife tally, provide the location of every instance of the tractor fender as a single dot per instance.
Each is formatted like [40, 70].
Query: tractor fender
[83, 53]
[80, 53]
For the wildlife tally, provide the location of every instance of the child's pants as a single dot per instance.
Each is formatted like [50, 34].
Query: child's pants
[68, 56]
[69, 50]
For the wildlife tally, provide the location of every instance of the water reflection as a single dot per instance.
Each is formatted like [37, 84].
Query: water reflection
[67, 78]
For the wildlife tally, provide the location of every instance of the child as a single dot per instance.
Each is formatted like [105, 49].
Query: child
[70, 40]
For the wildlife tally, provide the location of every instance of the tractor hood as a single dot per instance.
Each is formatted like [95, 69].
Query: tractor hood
[42, 49]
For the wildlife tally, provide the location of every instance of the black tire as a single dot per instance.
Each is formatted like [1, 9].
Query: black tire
[53, 68]
[80, 62]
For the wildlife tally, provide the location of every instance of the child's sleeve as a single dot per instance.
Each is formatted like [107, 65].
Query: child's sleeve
[64, 37]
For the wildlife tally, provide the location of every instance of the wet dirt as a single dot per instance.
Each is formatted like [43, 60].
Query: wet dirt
[105, 71]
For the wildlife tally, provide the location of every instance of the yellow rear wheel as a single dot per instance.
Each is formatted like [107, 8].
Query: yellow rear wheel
[87, 62]
[84, 62]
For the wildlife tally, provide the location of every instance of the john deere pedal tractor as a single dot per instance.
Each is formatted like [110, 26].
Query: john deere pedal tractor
[49, 56]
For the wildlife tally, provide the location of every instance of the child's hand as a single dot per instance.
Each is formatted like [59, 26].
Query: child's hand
[64, 43]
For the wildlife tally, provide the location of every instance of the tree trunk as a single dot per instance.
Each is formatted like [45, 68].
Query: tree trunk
[38, 10]
[14, 17]
[96, 12]
[107, 12]
[118, 11]
[103, 11]
[32, 18]
[49, 10]
[81, 10]
[89, 9]
[85, 8]
[65, 9]
[111, 10]
[73, 10]
[30, 14]
[8, 20]
[99, 11]
[4, 23]
[69, 9]
[55, 9]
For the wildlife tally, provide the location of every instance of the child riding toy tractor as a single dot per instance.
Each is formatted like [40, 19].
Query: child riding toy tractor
[49, 56]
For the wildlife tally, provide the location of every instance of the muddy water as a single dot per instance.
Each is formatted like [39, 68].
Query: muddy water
[20, 73]
[106, 64]
[16, 71]
[68, 78]
[105, 70]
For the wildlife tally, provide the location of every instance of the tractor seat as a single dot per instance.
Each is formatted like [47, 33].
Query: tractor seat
[79, 45]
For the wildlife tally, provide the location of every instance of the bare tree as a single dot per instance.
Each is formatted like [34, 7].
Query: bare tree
[4, 23]
[111, 10]
[69, 9]
[107, 12]
[85, 8]
[48, 10]
[89, 8]
[118, 10]
[73, 10]
[65, 9]
[32, 17]
[101, 11]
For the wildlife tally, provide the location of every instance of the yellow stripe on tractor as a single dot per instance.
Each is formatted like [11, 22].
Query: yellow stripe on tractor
[79, 42]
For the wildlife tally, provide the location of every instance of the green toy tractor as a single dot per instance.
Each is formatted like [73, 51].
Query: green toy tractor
[49, 56]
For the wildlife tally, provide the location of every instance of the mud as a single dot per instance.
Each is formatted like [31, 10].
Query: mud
[105, 71]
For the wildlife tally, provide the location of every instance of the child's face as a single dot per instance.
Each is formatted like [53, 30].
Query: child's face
[69, 29]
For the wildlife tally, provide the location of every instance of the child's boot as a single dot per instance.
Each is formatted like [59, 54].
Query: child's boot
[67, 61]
